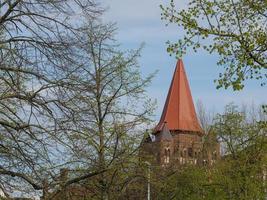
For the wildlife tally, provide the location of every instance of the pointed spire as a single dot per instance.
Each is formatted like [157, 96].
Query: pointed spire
[164, 134]
[179, 111]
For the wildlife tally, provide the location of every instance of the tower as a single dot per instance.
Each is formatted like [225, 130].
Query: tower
[178, 134]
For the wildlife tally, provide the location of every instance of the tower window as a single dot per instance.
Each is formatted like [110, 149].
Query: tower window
[185, 153]
[190, 152]
[167, 154]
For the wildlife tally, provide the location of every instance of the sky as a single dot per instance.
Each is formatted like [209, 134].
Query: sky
[139, 21]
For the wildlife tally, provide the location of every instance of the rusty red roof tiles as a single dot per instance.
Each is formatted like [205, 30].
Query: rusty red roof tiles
[179, 111]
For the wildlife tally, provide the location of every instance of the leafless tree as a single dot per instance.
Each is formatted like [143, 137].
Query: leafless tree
[35, 46]
[205, 117]
[110, 108]
[69, 99]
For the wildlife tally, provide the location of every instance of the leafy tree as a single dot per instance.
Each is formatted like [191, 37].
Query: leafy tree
[234, 29]
[243, 136]
[239, 174]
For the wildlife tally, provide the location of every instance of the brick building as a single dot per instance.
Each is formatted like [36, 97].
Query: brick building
[178, 137]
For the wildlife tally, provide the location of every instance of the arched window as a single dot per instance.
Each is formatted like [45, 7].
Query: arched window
[185, 152]
[167, 154]
[190, 152]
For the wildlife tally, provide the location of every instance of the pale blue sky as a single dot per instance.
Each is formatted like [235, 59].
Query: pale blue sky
[139, 21]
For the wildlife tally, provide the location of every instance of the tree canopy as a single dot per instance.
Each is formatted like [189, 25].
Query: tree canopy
[241, 171]
[233, 29]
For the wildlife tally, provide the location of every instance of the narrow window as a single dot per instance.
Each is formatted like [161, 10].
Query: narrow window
[190, 152]
[185, 153]
[167, 154]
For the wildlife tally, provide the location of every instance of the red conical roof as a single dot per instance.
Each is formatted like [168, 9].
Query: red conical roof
[179, 111]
